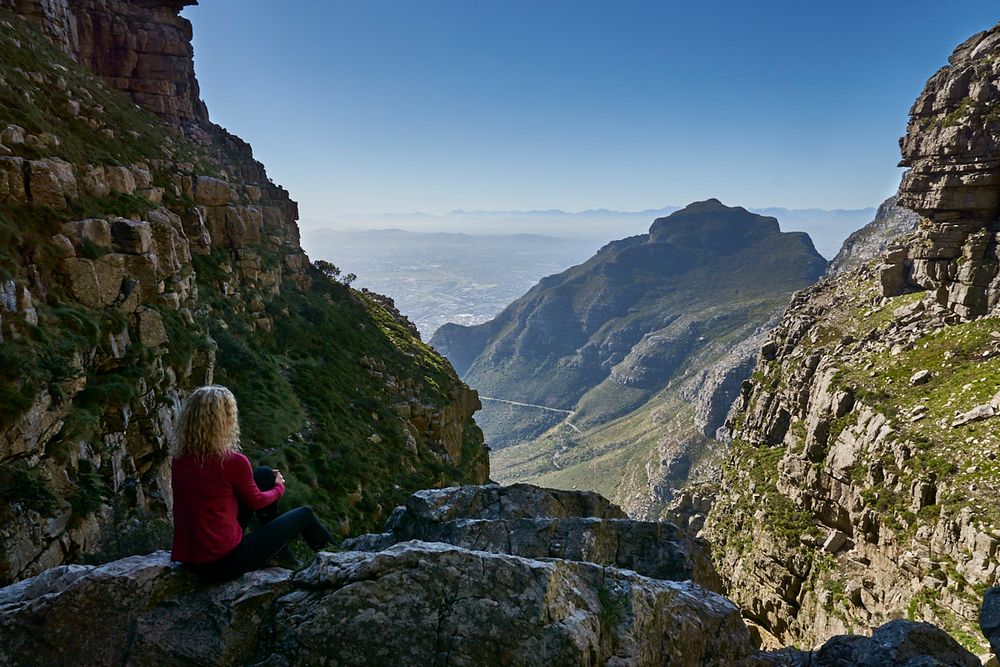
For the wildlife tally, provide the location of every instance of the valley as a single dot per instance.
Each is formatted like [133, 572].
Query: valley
[602, 438]
[645, 344]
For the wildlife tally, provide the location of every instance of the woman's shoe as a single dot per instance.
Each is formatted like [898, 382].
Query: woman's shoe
[286, 559]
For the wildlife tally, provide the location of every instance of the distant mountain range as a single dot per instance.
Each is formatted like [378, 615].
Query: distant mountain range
[827, 228]
[438, 277]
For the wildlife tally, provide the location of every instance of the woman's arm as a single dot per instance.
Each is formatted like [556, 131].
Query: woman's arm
[239, 472]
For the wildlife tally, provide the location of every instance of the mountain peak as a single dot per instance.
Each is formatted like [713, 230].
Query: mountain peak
[708, 204]
[712, 223]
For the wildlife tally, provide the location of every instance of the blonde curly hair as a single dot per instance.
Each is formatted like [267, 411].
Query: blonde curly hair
[208, 425]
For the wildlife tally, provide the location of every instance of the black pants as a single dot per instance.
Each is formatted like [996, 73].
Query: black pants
[272, 537]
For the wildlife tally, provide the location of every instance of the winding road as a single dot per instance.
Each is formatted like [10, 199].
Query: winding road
[568, 413]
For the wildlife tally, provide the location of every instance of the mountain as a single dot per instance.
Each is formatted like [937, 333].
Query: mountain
[870, 242]
[436, 278]
[826, 227]
[626, 333]
[144, 252]
[862, 480]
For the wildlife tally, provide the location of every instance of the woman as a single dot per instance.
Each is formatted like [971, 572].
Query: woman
[215, 494]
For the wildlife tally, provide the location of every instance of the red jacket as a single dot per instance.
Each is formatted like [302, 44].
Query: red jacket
[206, 497]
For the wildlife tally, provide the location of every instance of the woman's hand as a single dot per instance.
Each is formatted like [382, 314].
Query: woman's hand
[278, 479]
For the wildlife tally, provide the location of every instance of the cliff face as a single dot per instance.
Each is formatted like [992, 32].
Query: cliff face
[142, 48]
[143, 255]
[864, 461]
[954, 183]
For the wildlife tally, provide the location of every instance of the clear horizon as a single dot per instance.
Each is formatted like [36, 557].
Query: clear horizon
[393, 107]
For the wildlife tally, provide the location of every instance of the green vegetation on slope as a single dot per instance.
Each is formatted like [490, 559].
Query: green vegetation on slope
[310, 404]
[333, 388]
[619, 339]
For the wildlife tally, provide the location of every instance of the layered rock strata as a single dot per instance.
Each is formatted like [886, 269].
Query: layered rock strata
[861, 483]
[954, 183]
[141, 48]
[891, 223]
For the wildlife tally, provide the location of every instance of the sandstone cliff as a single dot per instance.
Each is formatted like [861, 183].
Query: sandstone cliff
[862, 479]
[143, 252]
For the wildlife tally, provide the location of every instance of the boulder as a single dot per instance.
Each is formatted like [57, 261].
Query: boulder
[517, 501]
[978, 413]
[895, 644]
[211, 191]
[132, 237]
[12, 189]
[236, 226]
[120, 180]
[140, 610]
[51, 182]
[534, 522]
[906, 643]
[152, 333]
[94, 283]
[414, 604]
[834, 541]
[12, 135]
[509, 611]
[95, 230]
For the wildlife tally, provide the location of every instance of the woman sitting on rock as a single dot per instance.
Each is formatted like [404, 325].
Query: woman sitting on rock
[216, 492]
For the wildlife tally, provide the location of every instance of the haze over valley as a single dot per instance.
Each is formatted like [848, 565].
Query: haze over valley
[464, 267]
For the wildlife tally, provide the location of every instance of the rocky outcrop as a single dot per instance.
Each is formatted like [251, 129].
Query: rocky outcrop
[139, 259]
[989, 618]
[862, 459]
[141, 48]
[895, 644]
[415, 603]
[954, 183]
[531, 522]
[871, 241]
[863, 500]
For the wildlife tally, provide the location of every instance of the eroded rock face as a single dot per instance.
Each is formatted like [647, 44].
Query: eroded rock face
[830, 470]
[954, 182]
[415, 603]
[863, 440]
[141, 48]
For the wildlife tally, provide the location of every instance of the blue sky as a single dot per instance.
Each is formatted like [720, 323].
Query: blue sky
[398, 106]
